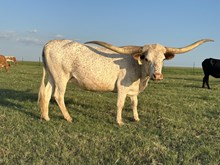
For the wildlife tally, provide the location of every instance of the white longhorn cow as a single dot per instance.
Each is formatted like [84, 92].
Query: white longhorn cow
[102, 69]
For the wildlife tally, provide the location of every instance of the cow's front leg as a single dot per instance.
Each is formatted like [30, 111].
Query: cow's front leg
[204, 81]
[120, 105]
[134, 103]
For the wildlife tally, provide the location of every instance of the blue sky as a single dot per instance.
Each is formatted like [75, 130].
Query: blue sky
[26, 25]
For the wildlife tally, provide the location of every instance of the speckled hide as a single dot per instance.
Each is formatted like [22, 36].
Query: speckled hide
[97, 69]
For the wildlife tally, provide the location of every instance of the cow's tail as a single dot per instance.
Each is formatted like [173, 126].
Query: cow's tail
[41, 93]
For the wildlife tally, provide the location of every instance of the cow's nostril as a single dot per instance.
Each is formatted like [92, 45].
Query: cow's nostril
[157, 76]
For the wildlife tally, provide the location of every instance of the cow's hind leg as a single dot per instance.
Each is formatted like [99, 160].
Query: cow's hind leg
[44, 97]
[59, 93]
[207, 82]
[134, 103]
[45, 105]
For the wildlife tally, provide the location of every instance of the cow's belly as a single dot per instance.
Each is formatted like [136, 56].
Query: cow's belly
[95, 83]
[216, 75]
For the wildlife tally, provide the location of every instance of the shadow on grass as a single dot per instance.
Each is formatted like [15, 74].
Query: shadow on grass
[26, 103]
[193, 86]
[187, 79]
[16, 100]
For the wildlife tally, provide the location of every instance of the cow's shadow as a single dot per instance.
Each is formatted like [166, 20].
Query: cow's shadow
[26, 102]
[186, 79]
[16, 100]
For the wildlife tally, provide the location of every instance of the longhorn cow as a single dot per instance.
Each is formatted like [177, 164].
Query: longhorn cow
[102, 69]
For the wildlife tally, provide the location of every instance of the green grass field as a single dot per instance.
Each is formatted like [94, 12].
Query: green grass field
[179, 122]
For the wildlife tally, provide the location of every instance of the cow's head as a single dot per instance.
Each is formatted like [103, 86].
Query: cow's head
[151, 56]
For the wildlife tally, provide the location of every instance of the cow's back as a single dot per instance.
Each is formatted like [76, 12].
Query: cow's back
[211, 67]
[93, 68]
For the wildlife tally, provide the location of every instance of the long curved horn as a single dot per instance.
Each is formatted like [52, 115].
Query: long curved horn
[122, 50]
[187, 48]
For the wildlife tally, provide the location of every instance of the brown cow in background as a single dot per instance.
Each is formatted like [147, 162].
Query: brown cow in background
[3, 63]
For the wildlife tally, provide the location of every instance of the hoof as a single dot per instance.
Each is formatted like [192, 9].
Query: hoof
[45, 118]
[120, 123]
[69, 119]
[137, 120]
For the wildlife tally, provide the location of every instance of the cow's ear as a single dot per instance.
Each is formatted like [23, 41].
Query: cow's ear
[137, 57]
[169, 56]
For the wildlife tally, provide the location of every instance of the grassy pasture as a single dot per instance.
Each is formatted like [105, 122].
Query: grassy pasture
[179, 122]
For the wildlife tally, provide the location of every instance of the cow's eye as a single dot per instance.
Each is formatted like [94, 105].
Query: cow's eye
[142, 57]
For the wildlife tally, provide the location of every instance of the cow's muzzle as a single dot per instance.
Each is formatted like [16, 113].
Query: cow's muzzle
[157, 76]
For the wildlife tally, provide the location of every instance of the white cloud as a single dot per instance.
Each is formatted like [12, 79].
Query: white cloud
[7, 34]
[33, 31]
[25, 38]
[29, 40]
[59, 36]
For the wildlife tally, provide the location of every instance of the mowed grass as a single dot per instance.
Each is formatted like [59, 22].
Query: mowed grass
[179, 122]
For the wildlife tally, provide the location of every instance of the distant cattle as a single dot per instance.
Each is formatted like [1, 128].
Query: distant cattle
[3, 63]
[211, 67]
[11, 59]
